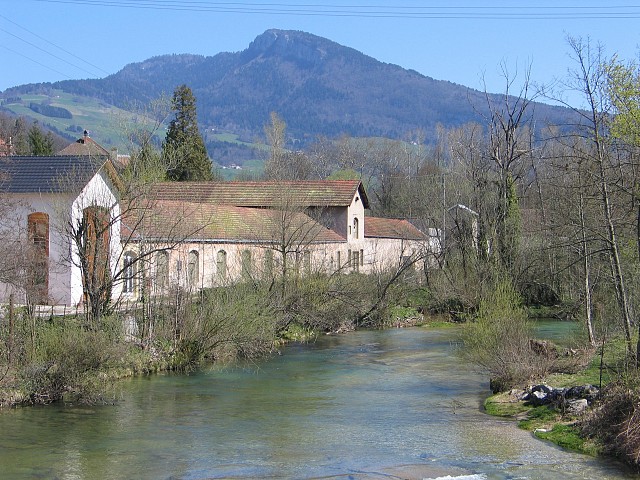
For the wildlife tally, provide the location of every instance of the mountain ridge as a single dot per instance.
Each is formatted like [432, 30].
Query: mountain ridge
[319, 87]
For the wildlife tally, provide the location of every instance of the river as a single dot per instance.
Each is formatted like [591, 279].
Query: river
[364, 405]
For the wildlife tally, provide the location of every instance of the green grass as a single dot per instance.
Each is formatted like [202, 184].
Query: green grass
[539, 417]
[499, 406]
[568, 437]
[227, 137]
[614, 354]
[106, 123]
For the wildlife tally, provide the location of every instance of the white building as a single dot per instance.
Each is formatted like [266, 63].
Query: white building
[190, 234]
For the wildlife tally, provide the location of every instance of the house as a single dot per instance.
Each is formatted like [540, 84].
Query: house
[47, 200]
[208, 234]
[85, 145]
[189, 234]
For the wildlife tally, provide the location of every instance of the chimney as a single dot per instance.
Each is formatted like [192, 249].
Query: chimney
[85, 136]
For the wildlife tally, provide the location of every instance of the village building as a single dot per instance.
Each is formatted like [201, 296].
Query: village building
[191, 235]
[45, 201]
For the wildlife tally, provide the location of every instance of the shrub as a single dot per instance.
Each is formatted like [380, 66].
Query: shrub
[498, 340]
[615, 422]
[67, 360]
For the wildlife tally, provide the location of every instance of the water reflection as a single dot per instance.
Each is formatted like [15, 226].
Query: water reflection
[392, 404]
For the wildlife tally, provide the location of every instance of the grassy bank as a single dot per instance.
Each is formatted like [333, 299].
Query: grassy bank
[609, 427]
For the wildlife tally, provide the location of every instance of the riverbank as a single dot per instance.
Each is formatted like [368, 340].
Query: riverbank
[585, 426]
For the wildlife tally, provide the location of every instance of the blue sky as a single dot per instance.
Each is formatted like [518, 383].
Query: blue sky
[465, 42]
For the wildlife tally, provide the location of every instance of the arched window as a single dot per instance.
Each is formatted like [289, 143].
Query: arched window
[193, 268]
[94, 249]
[268, 264]
[221, 264]
[129, 273]
[162, 270]
[246, 264]
[306, 262]
[38, 228]
[356, 229]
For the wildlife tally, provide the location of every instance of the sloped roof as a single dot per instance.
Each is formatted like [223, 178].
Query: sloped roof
[375, 227]
[273, 194]
[84, 146]
[175, 220]
[47, 174]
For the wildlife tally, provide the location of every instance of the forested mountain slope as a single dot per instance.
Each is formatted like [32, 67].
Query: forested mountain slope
[317, 86]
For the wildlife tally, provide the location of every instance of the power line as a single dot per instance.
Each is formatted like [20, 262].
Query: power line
[481, 12]
[35, 61]
[54, 45]
[46, 51]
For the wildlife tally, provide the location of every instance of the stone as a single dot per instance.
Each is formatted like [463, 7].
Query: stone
[538, 398]
[575, 407]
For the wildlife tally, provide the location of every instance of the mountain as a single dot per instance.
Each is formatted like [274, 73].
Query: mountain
[317, 86]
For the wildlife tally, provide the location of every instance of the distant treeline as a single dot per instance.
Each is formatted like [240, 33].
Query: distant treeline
[50, 111]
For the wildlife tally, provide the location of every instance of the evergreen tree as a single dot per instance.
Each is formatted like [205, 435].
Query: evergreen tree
[39, 144]
[183, 150]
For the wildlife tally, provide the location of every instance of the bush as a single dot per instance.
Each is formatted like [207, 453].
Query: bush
[615, 422]
[67, 361]
[498, 340]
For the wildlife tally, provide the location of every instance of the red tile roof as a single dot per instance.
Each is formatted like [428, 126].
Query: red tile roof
[174, 220]
[307, 193]
[375, 227]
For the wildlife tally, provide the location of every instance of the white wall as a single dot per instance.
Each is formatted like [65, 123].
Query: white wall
[65, 280]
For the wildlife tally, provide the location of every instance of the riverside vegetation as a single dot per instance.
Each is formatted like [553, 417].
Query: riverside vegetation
[47, 359]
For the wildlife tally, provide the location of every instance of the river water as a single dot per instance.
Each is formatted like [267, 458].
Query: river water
[365, 405]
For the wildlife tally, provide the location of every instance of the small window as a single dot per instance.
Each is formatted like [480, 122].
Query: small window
[361, 258]
[193, 268]
[221, 264]
[338, 261]
[129, 273]
[356, 228]
[355, 261]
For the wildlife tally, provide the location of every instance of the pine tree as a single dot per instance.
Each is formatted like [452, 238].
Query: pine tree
[183, 150]
[39, 144]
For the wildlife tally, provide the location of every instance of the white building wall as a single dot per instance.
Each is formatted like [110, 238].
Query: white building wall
[97, 192]
[56, 207]
[65, 279]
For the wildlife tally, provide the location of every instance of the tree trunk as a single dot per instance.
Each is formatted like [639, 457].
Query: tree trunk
[587, 279]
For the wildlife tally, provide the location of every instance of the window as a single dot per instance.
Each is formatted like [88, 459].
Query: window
[246, 264]
[129, 273]
[38, 228]
[193, 268]
[338, 261]
[356, 229]
[221, 264]
[268, 263]
[348, 258]
[306, 262]
[162, 270]
[94, 248]
[355, 261]
[361, 258]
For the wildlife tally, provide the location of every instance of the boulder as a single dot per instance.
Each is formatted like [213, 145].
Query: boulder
[575, 407]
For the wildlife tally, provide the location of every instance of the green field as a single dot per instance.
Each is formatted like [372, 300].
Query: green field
[108, 125]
